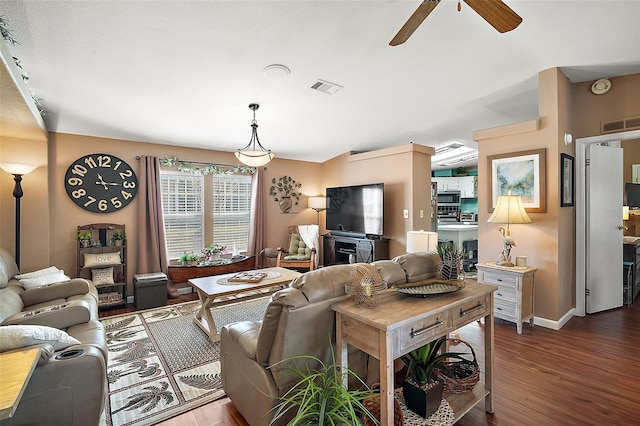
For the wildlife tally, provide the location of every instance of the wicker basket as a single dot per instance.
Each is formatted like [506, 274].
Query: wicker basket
[458, 368]
[372, 403]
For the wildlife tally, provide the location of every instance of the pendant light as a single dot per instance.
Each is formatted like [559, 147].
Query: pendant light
[250, 155]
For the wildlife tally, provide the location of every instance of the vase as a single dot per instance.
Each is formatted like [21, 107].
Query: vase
[117, 243]
[285, 204]
[84, 243]
[420, 401]
[215, 256]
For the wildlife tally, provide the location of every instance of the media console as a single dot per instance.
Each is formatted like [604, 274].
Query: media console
[339, 249]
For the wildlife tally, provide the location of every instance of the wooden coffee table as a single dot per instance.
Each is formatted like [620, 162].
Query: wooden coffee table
[211, 288]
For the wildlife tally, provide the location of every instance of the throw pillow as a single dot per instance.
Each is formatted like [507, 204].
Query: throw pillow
[102, 276]
[38, 273]
[56, 277]
[98, 259]
[20, 336]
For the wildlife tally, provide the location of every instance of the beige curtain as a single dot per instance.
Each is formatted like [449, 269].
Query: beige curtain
[257, 221]
[152, 253]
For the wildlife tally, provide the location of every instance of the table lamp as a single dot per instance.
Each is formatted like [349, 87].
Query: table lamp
[422, 241]
[509, 209]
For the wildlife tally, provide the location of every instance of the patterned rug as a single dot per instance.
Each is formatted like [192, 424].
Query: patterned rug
[162, 364]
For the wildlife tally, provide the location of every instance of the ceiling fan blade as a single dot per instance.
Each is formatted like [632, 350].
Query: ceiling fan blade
[495, 12]
[414, 21]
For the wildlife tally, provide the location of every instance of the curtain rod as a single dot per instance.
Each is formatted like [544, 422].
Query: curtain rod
[199, 162]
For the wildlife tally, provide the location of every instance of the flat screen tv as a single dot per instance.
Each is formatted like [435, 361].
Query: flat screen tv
[355, 209]
[633, 195]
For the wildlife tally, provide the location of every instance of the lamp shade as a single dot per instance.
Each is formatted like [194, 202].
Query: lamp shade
[509, 209]
[18, 168]
[254, 158]
[317, 203]
[421, 241]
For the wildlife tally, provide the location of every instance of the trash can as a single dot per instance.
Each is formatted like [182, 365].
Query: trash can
[150, 290]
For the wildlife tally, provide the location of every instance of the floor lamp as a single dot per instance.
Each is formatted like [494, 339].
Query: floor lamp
[318, 204]
[17, 170]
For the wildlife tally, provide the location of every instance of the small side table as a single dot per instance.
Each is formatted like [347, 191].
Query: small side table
[16, 368]
[514, 299]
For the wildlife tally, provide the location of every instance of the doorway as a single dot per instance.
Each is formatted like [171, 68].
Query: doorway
[582, 189]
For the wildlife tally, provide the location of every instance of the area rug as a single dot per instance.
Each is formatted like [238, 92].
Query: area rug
[162, 364]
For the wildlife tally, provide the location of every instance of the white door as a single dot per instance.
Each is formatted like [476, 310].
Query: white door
[604, 229]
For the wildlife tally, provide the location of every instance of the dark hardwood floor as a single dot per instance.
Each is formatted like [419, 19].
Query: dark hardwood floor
[584, 374]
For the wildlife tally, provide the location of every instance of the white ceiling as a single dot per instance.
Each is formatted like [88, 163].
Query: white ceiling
[184, 72]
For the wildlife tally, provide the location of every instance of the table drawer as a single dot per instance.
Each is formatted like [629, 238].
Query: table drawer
[495, 277]
[505, 310]
[505, 293]
[422, 331]
[470, 311]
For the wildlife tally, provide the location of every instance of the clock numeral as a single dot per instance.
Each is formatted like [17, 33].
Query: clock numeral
[102, 205]
[126, 184]
[104, 161]
[126, 195]
[91, 201]
[79, 169]
[116, 203]
[74, 181]
[117, 165]
[79, 193]
[126, 174]
[89, 161]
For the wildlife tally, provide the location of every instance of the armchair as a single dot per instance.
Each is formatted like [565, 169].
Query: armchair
[302, 251]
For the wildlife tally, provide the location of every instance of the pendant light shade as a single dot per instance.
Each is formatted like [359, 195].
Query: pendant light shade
[253, 155]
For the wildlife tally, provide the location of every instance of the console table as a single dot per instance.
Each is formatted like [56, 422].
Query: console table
[399, 324]
[338, 249]
[182, 274]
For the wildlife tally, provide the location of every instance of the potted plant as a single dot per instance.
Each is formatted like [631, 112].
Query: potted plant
[283, 190]
[422, 391]
[118, 238]
[84, 237]
[452, 261]
[213, 251]
[461, 171]
[188, 258]
[319, 397]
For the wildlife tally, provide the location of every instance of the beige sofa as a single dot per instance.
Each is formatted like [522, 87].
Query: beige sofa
[69, 384]
[299, 321]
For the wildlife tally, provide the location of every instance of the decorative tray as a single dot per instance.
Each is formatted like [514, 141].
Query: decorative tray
[431, 286]
[247, 277]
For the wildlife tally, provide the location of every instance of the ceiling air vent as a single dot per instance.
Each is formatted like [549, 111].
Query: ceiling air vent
[620, 125]
[326, 87]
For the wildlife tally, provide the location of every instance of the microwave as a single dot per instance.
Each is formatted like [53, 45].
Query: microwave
[449, 198]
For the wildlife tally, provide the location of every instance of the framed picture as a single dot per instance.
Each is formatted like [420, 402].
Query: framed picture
[567, 186]
[521, 173]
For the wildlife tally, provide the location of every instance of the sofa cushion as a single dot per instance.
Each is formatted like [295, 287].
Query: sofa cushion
[56, 291]
[90, 333]
[10, 300]
[8, 268]
[20, 336]
[391, 272]
[418, 266]
[37, 281]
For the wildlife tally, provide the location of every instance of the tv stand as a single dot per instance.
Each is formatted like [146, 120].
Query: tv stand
[341, 249]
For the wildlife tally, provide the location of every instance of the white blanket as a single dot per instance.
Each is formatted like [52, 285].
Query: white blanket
[310, 234]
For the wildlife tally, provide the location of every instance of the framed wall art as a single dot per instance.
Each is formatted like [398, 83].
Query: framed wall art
[521, 173]
[567, 186]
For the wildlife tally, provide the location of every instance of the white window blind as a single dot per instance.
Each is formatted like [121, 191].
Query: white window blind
[182, 207]
[231, 210]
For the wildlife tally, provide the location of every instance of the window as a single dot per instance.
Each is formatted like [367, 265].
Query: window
[231, 210]
[182, 207]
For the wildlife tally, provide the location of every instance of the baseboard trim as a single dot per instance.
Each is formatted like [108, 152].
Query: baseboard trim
[554, 325]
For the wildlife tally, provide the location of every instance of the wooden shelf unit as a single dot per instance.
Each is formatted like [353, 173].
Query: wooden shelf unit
[102, 242]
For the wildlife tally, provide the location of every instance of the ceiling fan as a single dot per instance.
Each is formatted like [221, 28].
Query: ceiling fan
[495, 12]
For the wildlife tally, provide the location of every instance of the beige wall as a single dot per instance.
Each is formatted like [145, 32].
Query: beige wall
[549, 242]
[406, 174]
[50, 218]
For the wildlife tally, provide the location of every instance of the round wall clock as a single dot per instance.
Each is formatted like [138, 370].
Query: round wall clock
[101, 183]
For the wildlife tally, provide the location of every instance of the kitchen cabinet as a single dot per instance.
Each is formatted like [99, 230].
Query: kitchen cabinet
[467, 185]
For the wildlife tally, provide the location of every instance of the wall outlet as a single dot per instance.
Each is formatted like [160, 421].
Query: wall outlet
[405, 214]
[421, 214]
